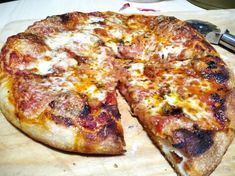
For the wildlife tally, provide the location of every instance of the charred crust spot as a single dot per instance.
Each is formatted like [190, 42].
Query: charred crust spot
[111, 124]
[64, 18]
[215, 69]
[193, 143]
[212, 64]
[216, 98]
[221, 77]
[219, 113]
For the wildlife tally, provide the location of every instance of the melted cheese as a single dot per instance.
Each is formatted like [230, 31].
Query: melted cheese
[48, 61]
[192, 106]
[137, 75]
[94, 92]
[95, 19]
[167, 50]
[71, 40]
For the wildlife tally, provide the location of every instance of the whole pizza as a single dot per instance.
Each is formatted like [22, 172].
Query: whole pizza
[59, 81]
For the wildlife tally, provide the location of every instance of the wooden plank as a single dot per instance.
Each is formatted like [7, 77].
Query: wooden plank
[20, 155]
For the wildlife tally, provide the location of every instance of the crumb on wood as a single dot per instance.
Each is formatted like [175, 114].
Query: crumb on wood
[115, 165]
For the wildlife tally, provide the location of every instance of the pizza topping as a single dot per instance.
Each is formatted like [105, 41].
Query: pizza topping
[30, 97]
[113, 110]
[110, 128]
[85, 111]
[72, 40]
[59, 120]
[193, 143]
[67, 105]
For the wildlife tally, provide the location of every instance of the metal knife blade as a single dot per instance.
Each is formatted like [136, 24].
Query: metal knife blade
[213, 37]
[225, 39]
[213, 34]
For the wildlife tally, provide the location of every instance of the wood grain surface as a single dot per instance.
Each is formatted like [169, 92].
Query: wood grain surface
[22, 156]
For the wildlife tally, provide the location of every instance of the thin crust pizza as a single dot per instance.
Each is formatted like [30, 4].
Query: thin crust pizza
[59, 80]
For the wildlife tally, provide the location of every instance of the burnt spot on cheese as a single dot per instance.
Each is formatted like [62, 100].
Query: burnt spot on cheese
[193, 143]
[113, 110]
[62, 120]
[64, 18]
[85, 111]
[168, 109]
[89, 123]
[110, 129]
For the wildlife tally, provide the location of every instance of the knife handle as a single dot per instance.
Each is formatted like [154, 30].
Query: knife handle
[228, 40]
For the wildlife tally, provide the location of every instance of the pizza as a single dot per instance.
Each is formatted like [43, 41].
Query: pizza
[59, 81]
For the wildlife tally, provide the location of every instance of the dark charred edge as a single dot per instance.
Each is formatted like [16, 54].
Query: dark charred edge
[194, 143]
[219, 107]
[65, 18]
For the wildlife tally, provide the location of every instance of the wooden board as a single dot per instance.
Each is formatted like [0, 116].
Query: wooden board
[20, 155]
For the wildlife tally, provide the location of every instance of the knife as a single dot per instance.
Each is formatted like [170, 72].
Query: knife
[226, 39]
[213, 33]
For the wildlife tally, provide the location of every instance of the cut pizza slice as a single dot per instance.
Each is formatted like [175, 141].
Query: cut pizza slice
[185, 107]
[59, 95]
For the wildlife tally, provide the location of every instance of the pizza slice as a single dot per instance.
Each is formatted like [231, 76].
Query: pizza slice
[183, 96]
[55, 93]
